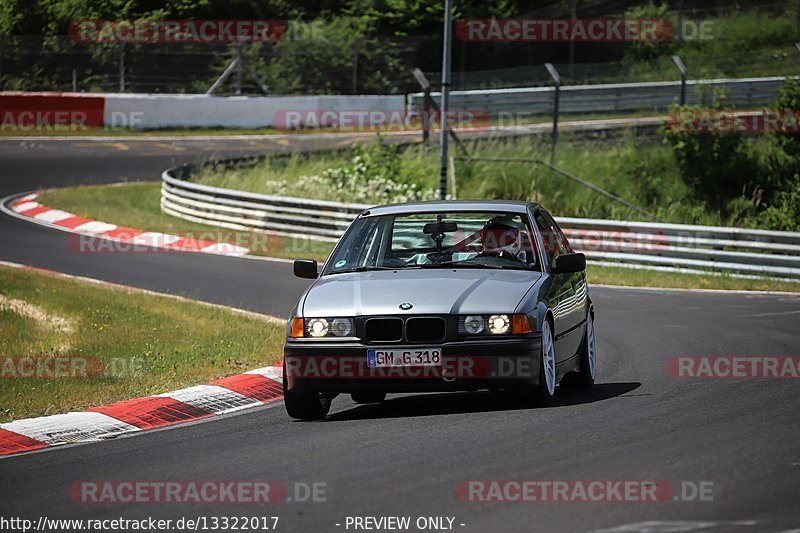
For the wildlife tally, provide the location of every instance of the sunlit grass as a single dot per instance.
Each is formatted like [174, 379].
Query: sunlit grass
[154, 344]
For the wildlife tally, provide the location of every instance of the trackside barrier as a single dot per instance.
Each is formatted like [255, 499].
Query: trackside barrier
[626, 243]
[607, 98]
[19, 110]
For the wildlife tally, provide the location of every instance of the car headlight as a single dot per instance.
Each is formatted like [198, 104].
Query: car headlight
[474, 324]
[342, 327]
[500, 324]
[328, 327]
[317, 327]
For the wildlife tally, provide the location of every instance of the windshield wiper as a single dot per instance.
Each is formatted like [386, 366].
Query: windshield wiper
[363, 269]
[368, 269]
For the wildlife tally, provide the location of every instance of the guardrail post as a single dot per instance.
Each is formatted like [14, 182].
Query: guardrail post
[679, 63]
[557, 80]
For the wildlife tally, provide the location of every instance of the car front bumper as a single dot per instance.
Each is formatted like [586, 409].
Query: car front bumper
[341, 367]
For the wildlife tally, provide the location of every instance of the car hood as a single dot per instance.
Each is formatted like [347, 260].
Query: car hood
[442, 291]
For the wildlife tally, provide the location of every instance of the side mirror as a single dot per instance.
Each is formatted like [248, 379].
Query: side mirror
[569, 263]
[305, 268]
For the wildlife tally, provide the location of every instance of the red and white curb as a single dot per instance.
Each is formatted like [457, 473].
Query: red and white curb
[28, 207]
[242, 391]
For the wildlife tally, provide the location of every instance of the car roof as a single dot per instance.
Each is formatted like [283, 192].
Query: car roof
[507, 206]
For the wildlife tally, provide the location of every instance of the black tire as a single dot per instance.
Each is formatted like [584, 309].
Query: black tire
[368, 397]
[585, 378]
[541, 393]
[306, 405]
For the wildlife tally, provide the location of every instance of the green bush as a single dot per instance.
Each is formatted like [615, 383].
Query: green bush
[780, 167]
[646, 50]
[716, 165]
[784, 214]
[375, 174]
[323, 54]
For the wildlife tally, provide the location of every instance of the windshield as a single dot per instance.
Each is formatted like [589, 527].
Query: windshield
[488, 240]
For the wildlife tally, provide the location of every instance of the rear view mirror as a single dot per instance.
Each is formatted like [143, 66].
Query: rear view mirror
[570, 263]
[306, 268]
[439, 227]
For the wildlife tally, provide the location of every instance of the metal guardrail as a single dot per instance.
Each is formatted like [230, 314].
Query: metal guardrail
[606, 98]
[648, 244]
[241, 210]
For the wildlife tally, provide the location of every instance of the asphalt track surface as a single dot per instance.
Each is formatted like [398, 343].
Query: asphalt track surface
[406, 457]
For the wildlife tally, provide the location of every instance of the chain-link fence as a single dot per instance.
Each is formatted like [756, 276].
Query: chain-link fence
[335, 61]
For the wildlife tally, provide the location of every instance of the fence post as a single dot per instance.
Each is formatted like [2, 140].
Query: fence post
[444, 106]
[356, 49]
[426, 115]
[452, 171]
[573, 15]
[556, 95]
[122, 67]
[238, 68]
[679, 63]
[427, 103]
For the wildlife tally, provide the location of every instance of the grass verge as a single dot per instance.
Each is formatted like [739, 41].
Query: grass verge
[629, 277]
[132, 344]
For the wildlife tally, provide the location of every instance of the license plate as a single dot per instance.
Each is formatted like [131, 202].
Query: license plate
[400, 357]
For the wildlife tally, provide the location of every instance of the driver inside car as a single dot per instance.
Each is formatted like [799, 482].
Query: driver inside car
[499, 238]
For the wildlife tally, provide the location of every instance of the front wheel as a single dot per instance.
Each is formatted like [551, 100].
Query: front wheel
[305, 405]
[588, 356]
[544, 391]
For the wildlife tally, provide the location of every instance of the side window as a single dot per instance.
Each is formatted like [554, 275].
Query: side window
[354, 252]
[561, 240]
[555, 243]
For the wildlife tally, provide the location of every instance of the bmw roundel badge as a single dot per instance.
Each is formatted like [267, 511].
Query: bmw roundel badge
[406, 306]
